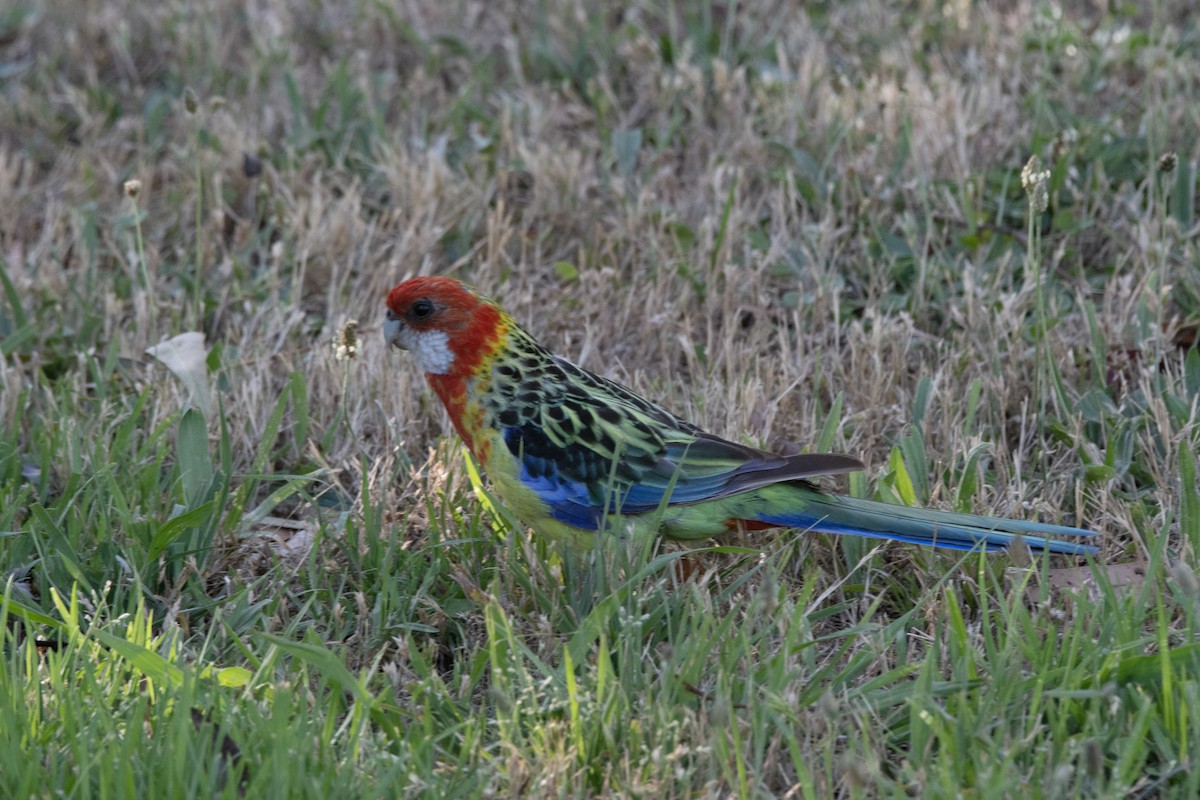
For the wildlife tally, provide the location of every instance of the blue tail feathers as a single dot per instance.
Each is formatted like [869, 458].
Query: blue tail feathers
[855, 517]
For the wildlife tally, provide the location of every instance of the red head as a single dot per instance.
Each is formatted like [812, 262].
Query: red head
[446, 325]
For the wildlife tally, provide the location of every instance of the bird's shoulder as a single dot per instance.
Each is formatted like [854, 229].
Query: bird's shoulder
[529, 384]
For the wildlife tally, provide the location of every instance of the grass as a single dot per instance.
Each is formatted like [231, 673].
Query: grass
[264, 570]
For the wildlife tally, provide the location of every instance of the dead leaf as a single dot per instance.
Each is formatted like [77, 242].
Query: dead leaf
[1124, 577]
[1121, 576]
[290, 539]
[186, 357]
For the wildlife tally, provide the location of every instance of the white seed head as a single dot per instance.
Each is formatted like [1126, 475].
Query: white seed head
[1033, 180]
[345, 344]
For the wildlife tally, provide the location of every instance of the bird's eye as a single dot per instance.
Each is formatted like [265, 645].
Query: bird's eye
[422, 309]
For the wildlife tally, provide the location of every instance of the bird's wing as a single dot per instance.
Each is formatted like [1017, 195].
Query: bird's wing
[592, 447]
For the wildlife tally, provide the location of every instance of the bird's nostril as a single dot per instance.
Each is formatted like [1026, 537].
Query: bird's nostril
[391, 315]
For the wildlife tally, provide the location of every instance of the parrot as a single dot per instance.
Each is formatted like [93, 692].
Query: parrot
[573, 454]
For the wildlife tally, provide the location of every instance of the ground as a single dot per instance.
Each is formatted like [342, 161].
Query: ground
[254, 562]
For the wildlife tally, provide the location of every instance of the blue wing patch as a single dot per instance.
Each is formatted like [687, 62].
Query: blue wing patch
[581, 485]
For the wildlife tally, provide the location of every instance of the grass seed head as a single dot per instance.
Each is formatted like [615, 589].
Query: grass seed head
[1033, 180]
[346, 343]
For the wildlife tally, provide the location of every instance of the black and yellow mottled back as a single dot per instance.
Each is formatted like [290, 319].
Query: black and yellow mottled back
[588, 446]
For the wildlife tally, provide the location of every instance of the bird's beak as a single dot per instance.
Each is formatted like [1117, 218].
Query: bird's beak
[392, 330]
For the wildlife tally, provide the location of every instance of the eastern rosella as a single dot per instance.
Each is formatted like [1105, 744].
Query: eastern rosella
[572, 453]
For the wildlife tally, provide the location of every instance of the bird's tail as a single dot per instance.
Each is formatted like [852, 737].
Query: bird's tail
[848, 515]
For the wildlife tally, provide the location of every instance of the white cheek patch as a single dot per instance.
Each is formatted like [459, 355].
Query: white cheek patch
[432, 350]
